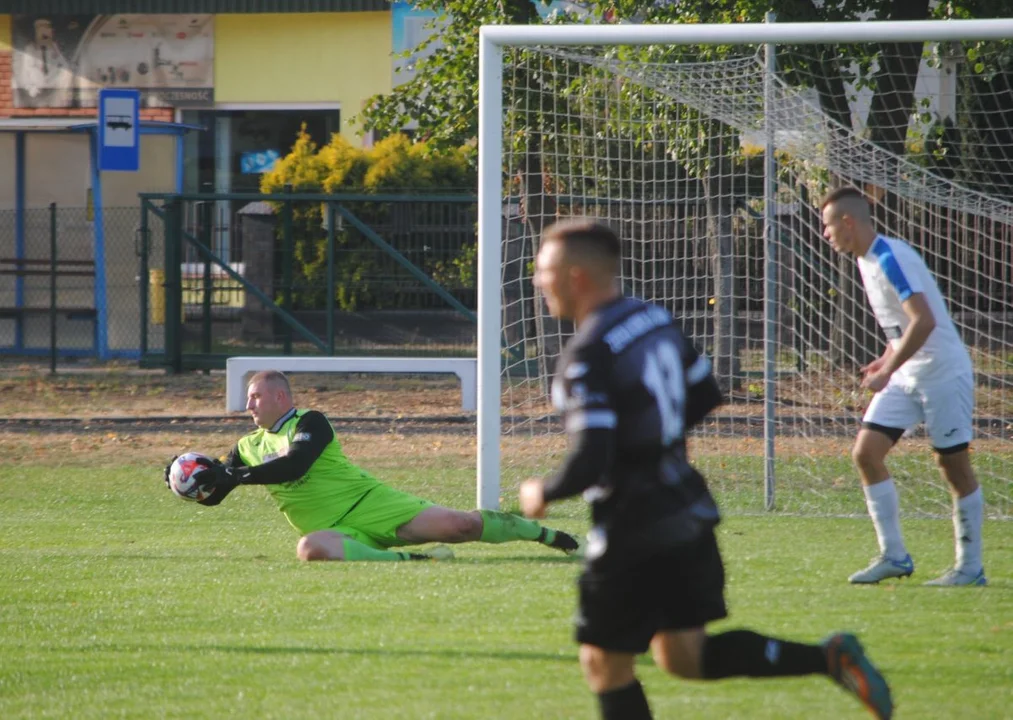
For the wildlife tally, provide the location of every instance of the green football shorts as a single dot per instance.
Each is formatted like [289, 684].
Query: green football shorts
[375, 520]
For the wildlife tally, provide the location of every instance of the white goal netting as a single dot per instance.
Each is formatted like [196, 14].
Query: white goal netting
[669, 146]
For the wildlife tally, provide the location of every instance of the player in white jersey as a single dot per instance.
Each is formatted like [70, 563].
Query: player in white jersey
[923, 376]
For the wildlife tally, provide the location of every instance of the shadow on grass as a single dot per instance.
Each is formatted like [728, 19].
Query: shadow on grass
[225, 557]
[202, 650]
[522, 559]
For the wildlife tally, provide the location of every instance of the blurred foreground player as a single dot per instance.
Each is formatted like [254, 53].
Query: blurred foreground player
[629, 386]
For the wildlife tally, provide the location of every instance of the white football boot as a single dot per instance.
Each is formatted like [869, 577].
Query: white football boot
[959, 577]
[882, 568]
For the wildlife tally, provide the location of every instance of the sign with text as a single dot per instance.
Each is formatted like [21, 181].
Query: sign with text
[62, 61]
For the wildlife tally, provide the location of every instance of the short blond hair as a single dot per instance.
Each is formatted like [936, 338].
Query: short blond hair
[274, 378]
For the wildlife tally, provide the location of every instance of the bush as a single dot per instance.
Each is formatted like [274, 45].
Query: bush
[364, 276]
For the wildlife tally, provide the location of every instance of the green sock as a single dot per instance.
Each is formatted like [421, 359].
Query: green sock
[355, 550]
[500, 527]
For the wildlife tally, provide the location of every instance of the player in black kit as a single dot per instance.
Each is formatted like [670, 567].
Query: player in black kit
[629, 386]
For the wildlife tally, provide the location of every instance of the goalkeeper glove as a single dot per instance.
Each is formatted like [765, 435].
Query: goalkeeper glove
[218, 478]
[168, 469]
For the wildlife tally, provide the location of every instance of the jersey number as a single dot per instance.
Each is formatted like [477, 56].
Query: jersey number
[663, 377]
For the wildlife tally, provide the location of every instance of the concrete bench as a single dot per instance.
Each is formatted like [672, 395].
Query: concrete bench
[237, 368]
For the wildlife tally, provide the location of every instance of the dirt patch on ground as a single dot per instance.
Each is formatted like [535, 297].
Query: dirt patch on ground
[119, 413]
[102, 449]
[29, 391]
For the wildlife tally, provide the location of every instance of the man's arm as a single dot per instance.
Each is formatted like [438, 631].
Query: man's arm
[312, 434]
[590, 423]
[703, 393]
[923, 322]
[591, 451]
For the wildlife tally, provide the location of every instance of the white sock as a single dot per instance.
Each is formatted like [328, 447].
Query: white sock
[884, 507]
[967, 524]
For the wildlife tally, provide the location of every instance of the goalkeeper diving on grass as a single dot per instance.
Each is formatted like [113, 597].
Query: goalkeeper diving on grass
[343, 512]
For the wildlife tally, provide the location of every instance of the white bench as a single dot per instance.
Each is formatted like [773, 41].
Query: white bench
[237, 368]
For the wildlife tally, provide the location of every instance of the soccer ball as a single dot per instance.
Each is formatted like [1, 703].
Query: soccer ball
[181, 473]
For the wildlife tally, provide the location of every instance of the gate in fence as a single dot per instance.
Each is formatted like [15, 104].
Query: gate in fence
[351, 274]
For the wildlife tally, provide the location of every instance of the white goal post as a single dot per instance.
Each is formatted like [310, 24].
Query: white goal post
[494, 41]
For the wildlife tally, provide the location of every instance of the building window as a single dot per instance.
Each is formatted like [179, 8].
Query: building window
[229, 155]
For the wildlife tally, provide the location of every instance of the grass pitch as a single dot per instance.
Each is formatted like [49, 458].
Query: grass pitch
[119, 600]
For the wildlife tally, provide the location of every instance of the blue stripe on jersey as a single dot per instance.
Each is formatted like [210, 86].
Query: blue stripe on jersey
[891, 268]
[699, 371]
[582, 419]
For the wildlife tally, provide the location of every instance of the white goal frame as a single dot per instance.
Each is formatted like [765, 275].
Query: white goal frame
[492, 40]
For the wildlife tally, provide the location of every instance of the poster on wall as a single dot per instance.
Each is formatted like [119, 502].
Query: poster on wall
[258, 162]
[61, 61]
[410, 28]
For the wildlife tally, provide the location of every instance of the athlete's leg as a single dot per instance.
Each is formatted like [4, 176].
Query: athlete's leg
[691, 593]
[873, 444]
[869, 453]
[500, 527]
[693, 654]
[680, 652]
[332, 545]
[610, 676]
[968, 518]
[949, 418]
[440, 524]
[955, 467]
[893, 410]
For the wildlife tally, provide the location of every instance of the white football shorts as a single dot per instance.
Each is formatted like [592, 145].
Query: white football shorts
[947, 409]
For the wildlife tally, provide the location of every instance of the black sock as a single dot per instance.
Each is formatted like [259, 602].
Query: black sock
[626, 703]
[740, 653]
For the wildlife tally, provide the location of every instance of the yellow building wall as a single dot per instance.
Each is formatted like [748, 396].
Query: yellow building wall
[304, 57]
[5, 32]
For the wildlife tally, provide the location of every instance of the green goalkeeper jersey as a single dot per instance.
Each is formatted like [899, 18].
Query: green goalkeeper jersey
[301, 463]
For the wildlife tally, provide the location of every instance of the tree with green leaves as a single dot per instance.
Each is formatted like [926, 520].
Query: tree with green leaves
[442, 98]
[364, 278]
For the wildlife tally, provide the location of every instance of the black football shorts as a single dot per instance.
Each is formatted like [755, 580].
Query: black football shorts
[624, 605]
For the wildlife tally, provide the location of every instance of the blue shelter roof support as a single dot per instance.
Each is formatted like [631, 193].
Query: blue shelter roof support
[31, 126]
[180, 162]
[19, 232]
[98, 228]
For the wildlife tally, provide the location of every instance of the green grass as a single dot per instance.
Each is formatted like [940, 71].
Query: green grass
[830, 486]
[118, 600]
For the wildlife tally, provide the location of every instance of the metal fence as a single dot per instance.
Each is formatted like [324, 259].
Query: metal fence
[50, 263]
[402, 278]
[307, 274]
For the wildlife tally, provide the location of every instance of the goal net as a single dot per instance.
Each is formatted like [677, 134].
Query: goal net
[710, 161]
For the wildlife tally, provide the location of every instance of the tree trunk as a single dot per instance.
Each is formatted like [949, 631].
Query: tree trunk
[517, 300]
[895, 83]
[539, 211]
[830, 85]
[727, 342]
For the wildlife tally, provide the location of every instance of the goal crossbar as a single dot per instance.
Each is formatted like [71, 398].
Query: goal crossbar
[802, 33]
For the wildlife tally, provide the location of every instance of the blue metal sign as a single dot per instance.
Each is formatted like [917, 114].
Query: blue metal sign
[119, 132]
